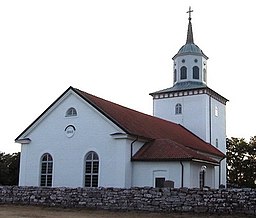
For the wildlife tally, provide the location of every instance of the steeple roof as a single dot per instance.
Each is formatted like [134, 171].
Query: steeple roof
[190, 47]
[190, 38]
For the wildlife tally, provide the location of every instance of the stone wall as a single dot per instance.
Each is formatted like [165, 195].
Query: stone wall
[221, 201]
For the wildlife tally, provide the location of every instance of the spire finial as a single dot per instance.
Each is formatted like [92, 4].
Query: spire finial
[189, 12]
[190, 32]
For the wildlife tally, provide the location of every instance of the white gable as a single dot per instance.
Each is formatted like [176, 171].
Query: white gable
[92, 131]
[58, 109]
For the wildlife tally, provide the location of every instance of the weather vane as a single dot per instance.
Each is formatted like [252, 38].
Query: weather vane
[189, 12]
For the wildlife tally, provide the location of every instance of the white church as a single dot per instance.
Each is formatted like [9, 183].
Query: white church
[82, 140]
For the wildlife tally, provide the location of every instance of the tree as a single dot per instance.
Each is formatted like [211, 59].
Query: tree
[250, 164]
[241, 162]
[9, 168]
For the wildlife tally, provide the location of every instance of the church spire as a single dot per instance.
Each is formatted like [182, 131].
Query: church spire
[190, 47]
[190, 38]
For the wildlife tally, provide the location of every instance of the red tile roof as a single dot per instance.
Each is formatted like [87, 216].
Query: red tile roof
[166, 149]
[168, 140]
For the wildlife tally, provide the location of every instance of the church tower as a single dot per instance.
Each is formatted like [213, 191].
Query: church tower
[190, 102]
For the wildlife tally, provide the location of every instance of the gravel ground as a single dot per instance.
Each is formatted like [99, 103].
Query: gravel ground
[11, 211]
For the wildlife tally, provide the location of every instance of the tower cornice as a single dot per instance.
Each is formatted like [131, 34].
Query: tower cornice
[188, 91]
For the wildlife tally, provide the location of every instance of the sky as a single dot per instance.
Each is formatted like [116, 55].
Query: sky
[120, 50]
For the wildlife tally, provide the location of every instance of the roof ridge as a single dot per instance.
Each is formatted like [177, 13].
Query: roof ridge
[112, 102]
[119, 105]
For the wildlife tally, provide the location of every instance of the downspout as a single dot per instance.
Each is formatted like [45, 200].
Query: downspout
[136, 139]
[220, 171]
[210, 120]
[154, 105]
[182, 174]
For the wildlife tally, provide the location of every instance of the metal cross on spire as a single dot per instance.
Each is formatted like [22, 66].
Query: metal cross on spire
[190, 38]
[189, 12]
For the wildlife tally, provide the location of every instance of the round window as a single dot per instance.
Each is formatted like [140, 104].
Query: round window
[70, 131]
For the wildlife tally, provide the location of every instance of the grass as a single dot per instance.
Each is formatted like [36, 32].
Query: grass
[12, 211]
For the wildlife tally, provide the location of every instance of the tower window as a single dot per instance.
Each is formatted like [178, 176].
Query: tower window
[195, 72]
[183, 72]
[178, 109]
[205, 76]
[71, 112]
[216, 111]
[175, 75]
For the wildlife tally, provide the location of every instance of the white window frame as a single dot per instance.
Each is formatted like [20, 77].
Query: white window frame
[46, 171]
[91, 170]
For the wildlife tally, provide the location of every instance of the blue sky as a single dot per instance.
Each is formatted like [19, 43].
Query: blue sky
[121, 51]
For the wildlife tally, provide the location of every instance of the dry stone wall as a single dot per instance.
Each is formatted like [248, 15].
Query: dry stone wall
[219, 201]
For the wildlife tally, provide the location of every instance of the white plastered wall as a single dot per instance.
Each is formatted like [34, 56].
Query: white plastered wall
[93, 133]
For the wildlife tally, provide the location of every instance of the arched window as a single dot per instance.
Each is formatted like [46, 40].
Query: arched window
[205, 75]
[216, 111]
[175, 75]
[195, 72]
[183, 72]
[71, 112]
[217, 143]
[178, 109]
[46, 170]
[202, 177]
[91, 169]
